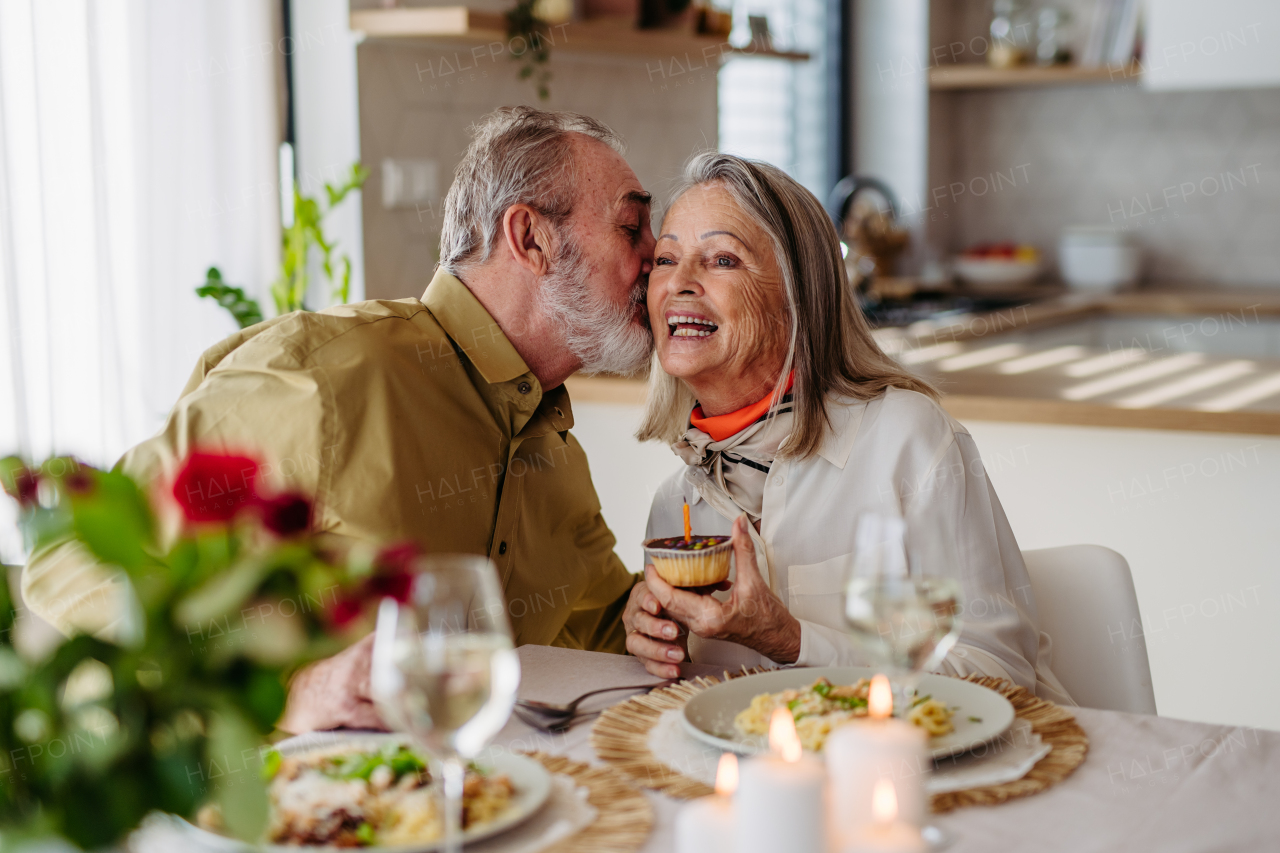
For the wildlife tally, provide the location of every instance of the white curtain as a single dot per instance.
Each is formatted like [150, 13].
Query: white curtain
[138, 144]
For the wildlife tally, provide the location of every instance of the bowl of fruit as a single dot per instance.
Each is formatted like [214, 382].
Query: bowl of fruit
[998, 267]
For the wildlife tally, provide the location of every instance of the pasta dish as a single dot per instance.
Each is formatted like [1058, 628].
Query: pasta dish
[348, 797]
[823, 706]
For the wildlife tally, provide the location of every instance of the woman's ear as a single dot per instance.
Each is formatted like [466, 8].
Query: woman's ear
[527, 236]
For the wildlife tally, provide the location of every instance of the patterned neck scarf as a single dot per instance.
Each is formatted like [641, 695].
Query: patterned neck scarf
[736, 450]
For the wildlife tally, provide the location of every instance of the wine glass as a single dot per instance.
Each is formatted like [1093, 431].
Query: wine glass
[904, 622]
[444, 668]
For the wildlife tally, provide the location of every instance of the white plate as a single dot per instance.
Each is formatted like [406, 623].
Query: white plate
[530, 779]
[709, 715]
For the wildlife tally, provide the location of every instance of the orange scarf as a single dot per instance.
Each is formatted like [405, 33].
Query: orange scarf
[720, 427]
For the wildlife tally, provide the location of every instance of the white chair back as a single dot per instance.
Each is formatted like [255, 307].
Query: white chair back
[1087, 605]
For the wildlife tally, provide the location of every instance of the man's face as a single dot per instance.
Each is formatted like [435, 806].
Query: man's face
[595, 291]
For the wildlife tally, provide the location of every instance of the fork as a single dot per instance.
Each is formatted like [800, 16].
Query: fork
[554, 725]
[568, 709]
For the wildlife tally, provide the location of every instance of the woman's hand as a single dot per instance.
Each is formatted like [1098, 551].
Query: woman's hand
[659, 643]
[752, 616]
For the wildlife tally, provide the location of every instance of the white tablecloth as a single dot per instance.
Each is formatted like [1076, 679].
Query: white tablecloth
[1149, 783]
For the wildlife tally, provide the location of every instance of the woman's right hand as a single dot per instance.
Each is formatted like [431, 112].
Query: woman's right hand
[659, 643]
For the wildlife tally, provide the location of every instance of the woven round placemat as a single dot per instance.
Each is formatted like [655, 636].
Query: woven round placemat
[624, 817]
[621, 738]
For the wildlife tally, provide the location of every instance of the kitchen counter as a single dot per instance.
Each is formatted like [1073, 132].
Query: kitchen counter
[1169, 359]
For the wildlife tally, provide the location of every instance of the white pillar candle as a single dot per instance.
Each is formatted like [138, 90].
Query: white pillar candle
[780, 803]
[705, 825]
[863, 752]
[886, 834]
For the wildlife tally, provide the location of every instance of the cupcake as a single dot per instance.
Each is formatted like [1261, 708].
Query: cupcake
[698, 561]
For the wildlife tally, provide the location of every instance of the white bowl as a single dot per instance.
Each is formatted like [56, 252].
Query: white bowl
[1099, 266]
[996, 275]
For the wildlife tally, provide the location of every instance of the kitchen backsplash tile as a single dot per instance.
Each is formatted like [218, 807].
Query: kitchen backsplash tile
[1195, 177]
[418, 100]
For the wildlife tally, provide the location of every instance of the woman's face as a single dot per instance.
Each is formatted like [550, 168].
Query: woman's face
[715, 301]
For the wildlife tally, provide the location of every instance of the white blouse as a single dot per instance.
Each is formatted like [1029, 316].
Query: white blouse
[898, 454]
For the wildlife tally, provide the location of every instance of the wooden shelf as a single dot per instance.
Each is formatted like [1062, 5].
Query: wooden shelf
[602, 35]
[978, 76]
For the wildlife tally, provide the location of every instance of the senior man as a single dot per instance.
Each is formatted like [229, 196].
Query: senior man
[442, 420]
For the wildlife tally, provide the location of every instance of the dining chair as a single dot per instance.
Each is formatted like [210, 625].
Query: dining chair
[1087, 605]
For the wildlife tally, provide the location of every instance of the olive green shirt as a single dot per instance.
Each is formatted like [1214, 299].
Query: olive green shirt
[406, 420]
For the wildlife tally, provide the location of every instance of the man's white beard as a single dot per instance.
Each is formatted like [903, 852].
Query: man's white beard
[604, 337]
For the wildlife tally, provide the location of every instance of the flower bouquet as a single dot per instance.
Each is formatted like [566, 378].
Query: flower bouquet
[173, 711]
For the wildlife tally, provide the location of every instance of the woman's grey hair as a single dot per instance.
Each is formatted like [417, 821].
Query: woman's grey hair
[831, 348]
[517, 155]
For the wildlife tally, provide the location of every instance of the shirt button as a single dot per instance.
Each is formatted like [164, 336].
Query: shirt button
[778, 479]
[502, 548]
[524, 387]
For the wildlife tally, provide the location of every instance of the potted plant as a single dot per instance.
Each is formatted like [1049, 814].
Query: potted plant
[300, 237]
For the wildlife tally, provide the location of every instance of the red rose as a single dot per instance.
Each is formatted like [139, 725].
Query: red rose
[287, 514]
[393, 572]
[24, 486]
[345, 611]
[79, 482]
[399, 557]
[213, 487]
[393, 583]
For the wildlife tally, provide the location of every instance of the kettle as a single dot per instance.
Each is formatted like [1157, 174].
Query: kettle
[873, 237]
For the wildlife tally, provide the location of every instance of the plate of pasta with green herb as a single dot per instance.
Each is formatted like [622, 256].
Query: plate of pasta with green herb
[955, 715]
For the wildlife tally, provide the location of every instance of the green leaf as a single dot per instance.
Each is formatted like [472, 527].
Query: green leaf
[222, 596]
[113, 519]
[342, 293]
[244, 309]
[265, 698]
[271, 764]
[355, 179]
[241, 794]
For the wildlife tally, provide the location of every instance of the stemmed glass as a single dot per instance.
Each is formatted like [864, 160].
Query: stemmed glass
[444, 668]
[905, 622]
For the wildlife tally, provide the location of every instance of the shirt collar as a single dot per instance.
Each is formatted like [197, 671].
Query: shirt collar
[845, 417]
[472, 328]
[482, 340]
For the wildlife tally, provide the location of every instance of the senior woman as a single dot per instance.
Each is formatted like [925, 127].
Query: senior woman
[793, 424]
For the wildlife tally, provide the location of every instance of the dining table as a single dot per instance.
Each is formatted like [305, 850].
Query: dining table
[1147, 783]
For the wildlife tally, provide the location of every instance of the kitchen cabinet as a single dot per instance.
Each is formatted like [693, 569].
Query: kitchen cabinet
[1198, 45]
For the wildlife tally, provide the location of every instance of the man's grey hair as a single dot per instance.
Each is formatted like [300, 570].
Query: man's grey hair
[518, 155]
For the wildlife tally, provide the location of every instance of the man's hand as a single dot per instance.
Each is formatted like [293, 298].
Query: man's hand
[659, 643]
[333, 693]
[752, 616]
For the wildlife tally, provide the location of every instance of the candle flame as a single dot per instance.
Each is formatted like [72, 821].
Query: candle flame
[884, 802]
[727, 774]
[783, 739]
[880, 698]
